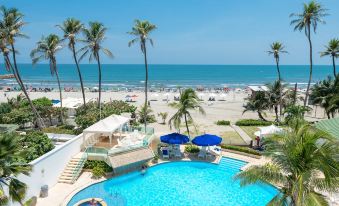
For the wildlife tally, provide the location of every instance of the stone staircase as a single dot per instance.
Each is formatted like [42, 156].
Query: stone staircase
[72, 170]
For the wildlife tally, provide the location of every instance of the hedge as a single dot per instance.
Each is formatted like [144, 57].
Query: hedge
[223, 122]
[241, 149]
[253, 122]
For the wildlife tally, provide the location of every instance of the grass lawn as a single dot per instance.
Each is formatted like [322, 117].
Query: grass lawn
[232, 138]
[250, 130]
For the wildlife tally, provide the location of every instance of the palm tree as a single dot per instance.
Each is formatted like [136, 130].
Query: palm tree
[303, 161]
[94, 36]
[323, 94]
[295, 112]
[10, 29]
[188, 101]
[257, 103]
[310, 17]
[332, 49]
[10, 156]
[47, 48]
[276, 49]
[72, 27]
[141, 31]
[275, 95]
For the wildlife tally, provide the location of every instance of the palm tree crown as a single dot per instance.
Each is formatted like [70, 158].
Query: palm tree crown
[332, 50]
[71, 27]
[94, 37]
[303, 161]
[46, 49]
[141, 31]
[276, 49]
[11, 24]
[312, 14]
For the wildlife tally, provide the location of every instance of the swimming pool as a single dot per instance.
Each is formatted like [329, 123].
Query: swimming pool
[180, 183]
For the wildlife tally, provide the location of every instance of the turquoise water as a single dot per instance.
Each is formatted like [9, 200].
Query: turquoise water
[126, 75]
[180, 183]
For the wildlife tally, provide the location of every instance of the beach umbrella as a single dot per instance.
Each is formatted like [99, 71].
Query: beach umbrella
[212, 95]
[127, 96]
[134, 96]
[207, 140]
[174, 138]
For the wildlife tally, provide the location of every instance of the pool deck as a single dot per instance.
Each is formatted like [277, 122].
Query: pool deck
[61, 193]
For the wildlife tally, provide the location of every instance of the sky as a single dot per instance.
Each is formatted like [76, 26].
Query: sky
[188, 31]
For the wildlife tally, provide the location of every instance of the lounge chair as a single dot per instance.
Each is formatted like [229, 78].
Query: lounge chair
[165, 154]
[216, 150]
[202, 153]
[177, 154]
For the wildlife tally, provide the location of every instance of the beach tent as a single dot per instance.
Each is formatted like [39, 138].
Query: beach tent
[174, 138]
[207, 140]
[106, 126]
[263, 131]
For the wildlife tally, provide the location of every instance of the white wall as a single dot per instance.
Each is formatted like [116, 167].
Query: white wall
[48, 168]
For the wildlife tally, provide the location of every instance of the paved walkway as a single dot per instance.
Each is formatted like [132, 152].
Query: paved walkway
[242, 134]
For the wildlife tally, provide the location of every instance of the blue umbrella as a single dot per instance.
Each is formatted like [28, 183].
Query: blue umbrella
[174, 138]
[207, 140]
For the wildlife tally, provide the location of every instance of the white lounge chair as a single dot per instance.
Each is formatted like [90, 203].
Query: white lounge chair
[216, 150]
[202, 153]
[177, 154]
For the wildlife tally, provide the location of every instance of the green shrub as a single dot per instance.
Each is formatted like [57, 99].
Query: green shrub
[91, 164]
[98, 172]
[89, 114]
[64, 129]
[253, 122]
[35, 144]
[241, 149]
[223, 122]
[191, 149]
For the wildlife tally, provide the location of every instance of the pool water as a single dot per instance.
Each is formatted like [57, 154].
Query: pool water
[180, 183]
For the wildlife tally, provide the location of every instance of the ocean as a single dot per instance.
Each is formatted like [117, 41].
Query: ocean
[167, 76]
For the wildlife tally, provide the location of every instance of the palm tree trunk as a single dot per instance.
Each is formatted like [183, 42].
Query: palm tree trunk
[311, 64]
[261, 117]
[280, 91]
[99, 68]
[334, 72]
[188, 131]
[146, 80]
[79, 73]
[60, 93]
[295, 93]
[21, 84]
[276, 113]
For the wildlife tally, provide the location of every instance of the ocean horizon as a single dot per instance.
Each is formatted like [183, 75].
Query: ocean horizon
[167, 75]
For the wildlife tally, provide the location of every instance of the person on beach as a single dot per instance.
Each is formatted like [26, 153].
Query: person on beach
[93, 202]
